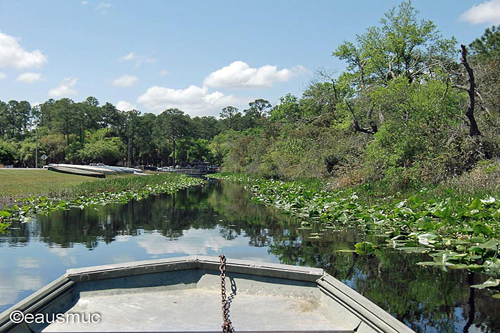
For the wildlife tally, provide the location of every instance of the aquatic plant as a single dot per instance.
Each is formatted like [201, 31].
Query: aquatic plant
[119, 190]
[3, 225]
[457, 234]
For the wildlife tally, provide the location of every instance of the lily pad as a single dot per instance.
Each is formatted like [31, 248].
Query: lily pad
[490, 283]
[365, 247]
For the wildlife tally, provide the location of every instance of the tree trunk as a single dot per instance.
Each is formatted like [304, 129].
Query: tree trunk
[473, 128]
[355, 124]
[173, 154]
[128, 152]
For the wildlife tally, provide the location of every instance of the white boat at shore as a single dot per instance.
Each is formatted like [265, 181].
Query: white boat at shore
[92, 170]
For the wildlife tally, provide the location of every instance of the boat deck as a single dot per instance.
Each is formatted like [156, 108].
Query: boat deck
[184, 294]
[200, 310]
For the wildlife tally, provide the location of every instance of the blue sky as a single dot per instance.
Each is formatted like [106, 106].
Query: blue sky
[198, 56]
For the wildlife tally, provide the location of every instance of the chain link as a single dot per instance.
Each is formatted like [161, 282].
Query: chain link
[227, 326]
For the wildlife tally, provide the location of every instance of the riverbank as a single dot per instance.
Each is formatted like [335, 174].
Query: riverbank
[20, 183]
[457, 232]
[78, 193]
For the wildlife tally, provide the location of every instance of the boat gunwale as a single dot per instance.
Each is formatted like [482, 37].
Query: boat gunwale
[374, 315]
[37, 301]
[306, 274]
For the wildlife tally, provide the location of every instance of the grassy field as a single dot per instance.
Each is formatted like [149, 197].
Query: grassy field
[28, 192]
[23, 183]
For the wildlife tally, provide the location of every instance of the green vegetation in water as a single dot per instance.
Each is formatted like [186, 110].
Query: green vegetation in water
[458, 234]
[117, 190]
[3, 226]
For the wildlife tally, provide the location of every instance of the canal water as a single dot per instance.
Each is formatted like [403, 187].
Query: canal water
[220, 218]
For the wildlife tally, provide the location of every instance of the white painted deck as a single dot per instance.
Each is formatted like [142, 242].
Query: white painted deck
[200, 310]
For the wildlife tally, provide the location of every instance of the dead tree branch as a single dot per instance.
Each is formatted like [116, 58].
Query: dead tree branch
[473, 128]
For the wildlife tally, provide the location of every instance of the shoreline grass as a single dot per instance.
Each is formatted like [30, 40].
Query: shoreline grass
[118, 189]
[25, 183]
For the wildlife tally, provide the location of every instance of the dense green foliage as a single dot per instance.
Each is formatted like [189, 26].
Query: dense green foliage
[84, 132]
[395, 116]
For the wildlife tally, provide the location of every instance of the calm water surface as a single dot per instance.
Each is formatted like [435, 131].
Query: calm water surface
[220, 218]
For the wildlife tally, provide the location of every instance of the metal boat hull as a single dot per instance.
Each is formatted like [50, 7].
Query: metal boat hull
[184, 295]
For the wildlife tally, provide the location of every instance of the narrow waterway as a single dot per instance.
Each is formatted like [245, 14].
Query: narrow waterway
[220, 218]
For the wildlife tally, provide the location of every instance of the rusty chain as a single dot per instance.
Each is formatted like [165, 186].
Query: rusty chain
[227, 326]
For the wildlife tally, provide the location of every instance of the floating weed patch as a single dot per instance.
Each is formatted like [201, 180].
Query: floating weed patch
[458, 234]
[3, 225]
[120, 190]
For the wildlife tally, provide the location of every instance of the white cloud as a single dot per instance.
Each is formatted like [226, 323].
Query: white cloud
[85, 3]
[193, 242]
[28, 263]
[125, 106]
[239, 75]
[65, 254]
[123, 258]
[29, 77]
[139, 59]
[64, 88]
[103, 7]
[13, 55]
[147, 60]
[125, 81]
[164, 72]
[193, 100]
[2, 76]
[485, 12]
[128, 57]
[21, 281]
[123, 238]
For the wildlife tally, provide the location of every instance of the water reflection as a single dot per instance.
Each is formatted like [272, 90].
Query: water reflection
[219, 218]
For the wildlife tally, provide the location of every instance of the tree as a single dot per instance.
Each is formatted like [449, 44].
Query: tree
[16, 118]
[229, 114]
[53, 146]
[488, 45]
[401, 46]
[65, 117]
[46, 113]
[92, 113]
[3, 120]
[131, 124]
[473, 128]
[288, 111]
[110, 116]
[144, 146]
[485, 60]
[205, 127]
[26, 152]
[106, 150]
[173, 125]
[7, 153]
[318, 99]
[258, 108]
